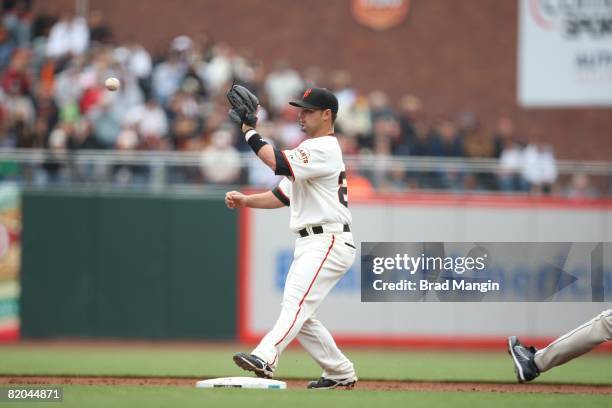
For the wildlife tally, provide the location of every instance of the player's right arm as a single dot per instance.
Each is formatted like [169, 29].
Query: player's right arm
[267, 200]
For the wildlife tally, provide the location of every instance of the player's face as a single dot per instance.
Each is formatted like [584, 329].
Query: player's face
[310, 120]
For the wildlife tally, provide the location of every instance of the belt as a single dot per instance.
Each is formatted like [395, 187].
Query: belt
[318, 229]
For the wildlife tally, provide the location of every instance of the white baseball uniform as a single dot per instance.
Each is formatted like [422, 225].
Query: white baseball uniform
[317, 196]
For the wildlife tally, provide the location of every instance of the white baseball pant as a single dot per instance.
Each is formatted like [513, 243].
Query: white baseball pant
[575, 343]
[319, 261]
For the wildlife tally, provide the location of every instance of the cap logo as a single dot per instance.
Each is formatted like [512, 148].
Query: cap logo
[308, 91]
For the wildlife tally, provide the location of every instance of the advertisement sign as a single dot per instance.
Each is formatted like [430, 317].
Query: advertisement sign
[267, 247]
[565, 53]
[380, 15]
[10, 253]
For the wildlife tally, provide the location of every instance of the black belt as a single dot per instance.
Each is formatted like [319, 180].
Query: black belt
[318, 229]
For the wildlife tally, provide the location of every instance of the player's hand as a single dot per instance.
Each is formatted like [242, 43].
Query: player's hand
[235, 199]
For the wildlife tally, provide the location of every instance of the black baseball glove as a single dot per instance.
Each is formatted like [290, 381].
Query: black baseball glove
[244, 105]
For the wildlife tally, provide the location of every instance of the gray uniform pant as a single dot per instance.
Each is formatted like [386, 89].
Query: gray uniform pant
[577, 342]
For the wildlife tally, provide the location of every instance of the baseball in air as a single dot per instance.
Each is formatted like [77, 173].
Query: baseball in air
[112, 84]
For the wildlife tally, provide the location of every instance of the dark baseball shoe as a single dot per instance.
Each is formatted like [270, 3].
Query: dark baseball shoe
[522, 357]
[250, 362]
[329, 384]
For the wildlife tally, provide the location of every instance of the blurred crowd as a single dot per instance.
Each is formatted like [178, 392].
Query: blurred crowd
[52, 71]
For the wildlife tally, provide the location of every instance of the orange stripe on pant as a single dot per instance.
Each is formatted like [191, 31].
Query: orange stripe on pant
[306, 294]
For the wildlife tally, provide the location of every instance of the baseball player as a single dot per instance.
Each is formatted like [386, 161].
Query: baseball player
[315, 189]
[529, 362]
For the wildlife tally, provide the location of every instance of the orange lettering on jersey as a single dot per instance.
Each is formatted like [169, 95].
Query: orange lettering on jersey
[303, 154]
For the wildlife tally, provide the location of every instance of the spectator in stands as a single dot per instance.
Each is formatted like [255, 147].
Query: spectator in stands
[185, 102]
[41, 28]
[17, 78]
[18, 22]
[539, 167]
[445, 141]
[220, 162]
[125, 174]
[81, 136]
[313, 76]
[421, 145]
[167, 77]
[183, 130]
[68, 37]
[385, 134]
[67, 88]
[151, 124]
[106, 125]
[99, 30]
[55, 161]
[510, 167]
[396, 180]
[380, 106]
[344, 91]
[580, 187]
[478, 143]
[356, 123]
[47, 112]
[217, 72]
[17, 108]
[503, 135]
[410, 114]
[7, 46]
[139, 64]
[282, 84]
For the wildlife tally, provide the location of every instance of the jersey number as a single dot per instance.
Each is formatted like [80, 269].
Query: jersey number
[343, 189]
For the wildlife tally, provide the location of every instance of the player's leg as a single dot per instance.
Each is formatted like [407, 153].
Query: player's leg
[529, 363]
[320, 344]
[575, 343]
[319, 263]
[263, 359]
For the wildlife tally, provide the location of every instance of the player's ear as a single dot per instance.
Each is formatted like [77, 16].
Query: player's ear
[327, 114]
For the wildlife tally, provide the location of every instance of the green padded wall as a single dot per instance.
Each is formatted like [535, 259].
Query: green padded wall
[127, 266]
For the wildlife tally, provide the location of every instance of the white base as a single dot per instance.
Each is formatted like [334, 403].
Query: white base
[242, 382]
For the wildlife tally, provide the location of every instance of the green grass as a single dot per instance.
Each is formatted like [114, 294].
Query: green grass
[371, 364]
[205, 363]
[89, 396]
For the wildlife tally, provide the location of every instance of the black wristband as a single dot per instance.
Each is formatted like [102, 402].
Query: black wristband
[256, 143]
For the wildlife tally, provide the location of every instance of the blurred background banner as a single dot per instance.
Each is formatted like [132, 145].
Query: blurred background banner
[565, 53]
[10, 260]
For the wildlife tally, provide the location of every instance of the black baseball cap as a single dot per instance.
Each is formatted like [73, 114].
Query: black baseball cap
[317, 99]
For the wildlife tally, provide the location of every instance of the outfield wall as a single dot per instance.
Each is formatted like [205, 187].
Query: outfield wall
[127, 265]
[268, 244]
[160, 266]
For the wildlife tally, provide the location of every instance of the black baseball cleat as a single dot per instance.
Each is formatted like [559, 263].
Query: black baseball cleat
[250, 362]
[522, 357]
[329, 384]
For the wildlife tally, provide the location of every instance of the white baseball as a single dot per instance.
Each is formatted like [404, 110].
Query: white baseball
[112, 84]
